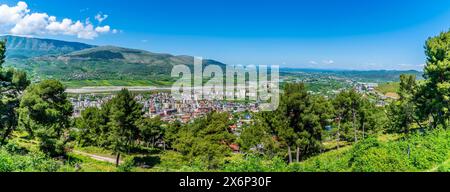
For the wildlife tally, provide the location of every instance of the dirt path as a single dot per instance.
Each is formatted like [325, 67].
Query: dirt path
[97, 157]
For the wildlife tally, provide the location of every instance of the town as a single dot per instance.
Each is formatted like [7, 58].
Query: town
[164, 105]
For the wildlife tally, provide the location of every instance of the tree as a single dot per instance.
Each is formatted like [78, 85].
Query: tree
[171, 133]
[206, 140]
[12, 84]
[91, 126]
[150, 130]
[402, 112]
[299, 121]
[124, 113]
[46, 108]
[434, 94]
[347, 105]
[261, 137]
[371, 118]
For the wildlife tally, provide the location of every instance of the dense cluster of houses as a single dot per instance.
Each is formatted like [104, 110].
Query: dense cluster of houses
[164, 105]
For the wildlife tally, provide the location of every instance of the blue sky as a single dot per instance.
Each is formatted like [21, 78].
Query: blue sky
[331, 34]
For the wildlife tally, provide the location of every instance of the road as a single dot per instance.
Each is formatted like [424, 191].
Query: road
[97, 157]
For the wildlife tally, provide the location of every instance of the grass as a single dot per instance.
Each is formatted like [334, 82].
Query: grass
[332, 161]
[391, 87]
[388, 153]
[444, 167]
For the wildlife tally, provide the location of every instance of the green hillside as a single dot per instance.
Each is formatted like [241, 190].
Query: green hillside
[419, 152]
[80, 64]
[25, 47]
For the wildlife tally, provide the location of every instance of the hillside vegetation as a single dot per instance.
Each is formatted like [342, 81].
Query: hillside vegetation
[418, 152]
[67, 61]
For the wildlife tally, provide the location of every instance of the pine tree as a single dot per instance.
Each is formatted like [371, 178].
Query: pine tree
[434, 94]
[124, 113]
[12, 84]
[46, 108]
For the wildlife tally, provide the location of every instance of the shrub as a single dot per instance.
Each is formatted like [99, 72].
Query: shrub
[127, 165]
[333, 161]
[381, 159]
[31, 162]
[255, 164]
[418, 152]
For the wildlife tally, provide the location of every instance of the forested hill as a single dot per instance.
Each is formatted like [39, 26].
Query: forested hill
[25, 47]
[68, 61]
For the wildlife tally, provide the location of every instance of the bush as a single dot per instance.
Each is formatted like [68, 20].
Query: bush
[255, 164]
[127, 165]
[52, 147]
[334, 161]
[381, 159]
[31, 162]
[418, 152]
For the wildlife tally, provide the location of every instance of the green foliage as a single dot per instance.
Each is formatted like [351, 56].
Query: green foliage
[373, 156]
[416, 153]
[127, 165]
[255, 164]
[12, 84]
[356, 116]
[206, 140]
[150, 130]
[444, 167]
[260, 138]
[333, 161]
[12, 160]
[403, 112]
[390, 87]
[124, 113]
[44, 112]
[92, 127]
[301, 119]
[434, 95]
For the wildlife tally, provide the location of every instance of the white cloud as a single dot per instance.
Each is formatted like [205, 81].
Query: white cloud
[104, 29]
[12, 15]
[18, 20]
[313, 62]
[101, 17]
[328, 62]
[31, 24]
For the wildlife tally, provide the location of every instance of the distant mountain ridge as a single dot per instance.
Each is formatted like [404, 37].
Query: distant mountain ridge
[27, 47]
[67, 61]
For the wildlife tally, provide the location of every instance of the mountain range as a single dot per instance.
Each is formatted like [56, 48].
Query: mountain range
[71, 61]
